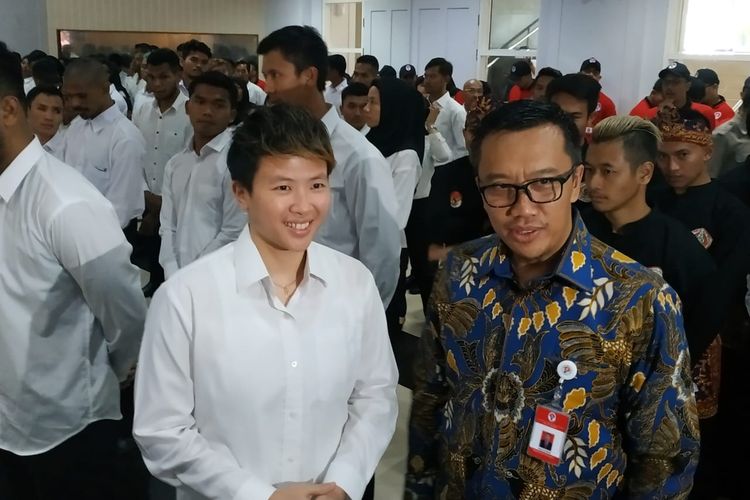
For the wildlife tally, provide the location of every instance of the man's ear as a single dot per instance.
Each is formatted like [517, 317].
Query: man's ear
[241, 194]
[11, 111]
[645, 172]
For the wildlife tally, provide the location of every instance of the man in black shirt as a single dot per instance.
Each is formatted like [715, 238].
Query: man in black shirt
[720, 223]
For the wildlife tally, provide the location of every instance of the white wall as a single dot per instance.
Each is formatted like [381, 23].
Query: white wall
[280, 13]
[200, 16]
[629, 37]
[23, 25]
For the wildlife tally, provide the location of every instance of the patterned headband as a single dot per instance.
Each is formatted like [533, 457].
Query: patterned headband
[675, 128]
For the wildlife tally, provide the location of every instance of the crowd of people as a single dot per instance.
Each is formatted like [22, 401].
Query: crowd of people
[583, 277]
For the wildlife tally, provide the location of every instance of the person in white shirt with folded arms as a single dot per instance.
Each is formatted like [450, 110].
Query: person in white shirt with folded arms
[72, 316]
[266, 370]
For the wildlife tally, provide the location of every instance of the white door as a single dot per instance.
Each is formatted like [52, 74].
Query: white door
[386, 31]
[449, 29]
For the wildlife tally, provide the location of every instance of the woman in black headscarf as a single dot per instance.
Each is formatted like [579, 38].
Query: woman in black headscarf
[396, 114]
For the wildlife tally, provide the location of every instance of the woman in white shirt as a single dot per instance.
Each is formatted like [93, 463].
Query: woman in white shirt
[395, 114]
[265, 370]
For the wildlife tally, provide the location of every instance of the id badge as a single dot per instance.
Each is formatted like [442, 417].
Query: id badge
[548, 434]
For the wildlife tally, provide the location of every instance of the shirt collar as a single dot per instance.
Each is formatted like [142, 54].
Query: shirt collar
[365, 130]
[217, 144]
[444, 98]
[178, 102]
[19, 168]
[251, 270]
[55, 142]
[331, 119]
[104, 118]
[574, 266]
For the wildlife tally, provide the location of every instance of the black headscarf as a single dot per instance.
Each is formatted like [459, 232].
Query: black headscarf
[402, 117]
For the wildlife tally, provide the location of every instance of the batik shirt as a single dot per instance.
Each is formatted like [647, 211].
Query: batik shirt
[489, 356]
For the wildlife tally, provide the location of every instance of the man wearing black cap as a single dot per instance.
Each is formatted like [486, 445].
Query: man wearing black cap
[649, 102]
[522, 74]
[606, 107]
[723, 112]
[543, 77]
[408, 74]
[675, 80]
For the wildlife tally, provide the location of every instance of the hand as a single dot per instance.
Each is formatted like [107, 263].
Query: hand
[436, 253]
[484, 106]
[149, 225]
[336, 494]
[306, 491]
[432, 116]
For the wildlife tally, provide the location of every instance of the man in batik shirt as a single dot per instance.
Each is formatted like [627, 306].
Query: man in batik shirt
[509, 309]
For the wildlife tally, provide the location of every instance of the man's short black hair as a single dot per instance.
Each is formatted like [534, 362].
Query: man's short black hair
[187, 48]
[11, 76]
[278, 130]
[145, 47]
[354, 89]
[42, 90]
[219, 80]
[697, 90]
[524, 115]
[658, 86]
[302, 46]
[337, 62]
[388, 72]
[444, 67]
[48, 71]
[164, 56]
[34, 56]
[578, 85]
[369, 60]
[550, 72]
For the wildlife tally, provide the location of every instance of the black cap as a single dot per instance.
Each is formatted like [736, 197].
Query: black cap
[676, 69]
[707, 76]
[520, 69]
[591, 63]
[746, 85]
[407, 71]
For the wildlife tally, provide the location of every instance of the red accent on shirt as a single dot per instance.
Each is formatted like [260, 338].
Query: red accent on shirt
[519, 94]
[642, 108]
[700, 108]
[605, 109]
[723, 112]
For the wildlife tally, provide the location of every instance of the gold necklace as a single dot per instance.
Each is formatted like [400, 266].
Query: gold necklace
[284, 288]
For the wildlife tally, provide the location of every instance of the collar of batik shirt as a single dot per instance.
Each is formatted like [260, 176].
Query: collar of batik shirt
[574, 265]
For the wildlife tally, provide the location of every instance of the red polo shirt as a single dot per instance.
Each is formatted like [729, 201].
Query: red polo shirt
[642, 108]
[519, 94]
[723, 112]
[604, 109]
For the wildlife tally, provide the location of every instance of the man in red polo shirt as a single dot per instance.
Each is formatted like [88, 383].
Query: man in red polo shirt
[522, 74]
[723, 112]
[606, 107]
[653, 100]
[675, 81]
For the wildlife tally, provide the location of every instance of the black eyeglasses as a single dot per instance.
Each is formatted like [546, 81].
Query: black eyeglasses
[541, 190]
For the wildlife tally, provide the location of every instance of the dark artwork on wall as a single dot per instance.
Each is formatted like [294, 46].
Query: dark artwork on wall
[81, 43]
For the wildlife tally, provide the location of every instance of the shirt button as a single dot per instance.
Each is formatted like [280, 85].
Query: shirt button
[294, 364]
[157, 131]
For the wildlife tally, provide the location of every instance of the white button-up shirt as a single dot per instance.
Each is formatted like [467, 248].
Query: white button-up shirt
[56, 145]
[332, 94]
[198, 211]
[28, 84]
[166, 134]
[257, 95]
[109, 150]
[71, 307]
[237, 394]
[119, 100]
[450, 123]
[405, 169]
[362, 220]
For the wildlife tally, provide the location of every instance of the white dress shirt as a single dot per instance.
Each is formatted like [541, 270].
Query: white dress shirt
[256, 94]
[450, 123]
[109, 150]
[362, 219]
[122, 105]
[365, 130]
[184, 88]
[56, 145]
[166, 134]
[198, 211]
[71, 306]
[28, 84]
[332, 94]
[405, 169]
[237, 394]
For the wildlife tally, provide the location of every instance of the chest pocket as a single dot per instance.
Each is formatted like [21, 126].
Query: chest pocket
[98, 175]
